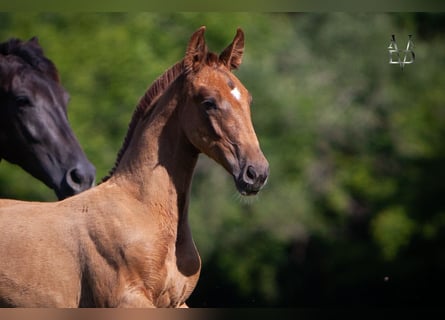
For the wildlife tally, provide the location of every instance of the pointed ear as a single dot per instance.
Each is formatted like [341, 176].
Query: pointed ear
[196, 50]
[34, 40]
[232, 56]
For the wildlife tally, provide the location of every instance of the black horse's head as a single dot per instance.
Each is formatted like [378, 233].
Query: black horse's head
[34, 129]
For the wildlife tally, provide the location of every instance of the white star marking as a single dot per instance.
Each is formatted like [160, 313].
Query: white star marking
[235, 92]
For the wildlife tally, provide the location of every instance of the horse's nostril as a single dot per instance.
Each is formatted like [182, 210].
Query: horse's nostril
[76, 180]
[251, 174]
[75, 176]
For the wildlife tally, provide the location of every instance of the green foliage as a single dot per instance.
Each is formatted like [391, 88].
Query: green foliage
[392, 229]
[356, 146]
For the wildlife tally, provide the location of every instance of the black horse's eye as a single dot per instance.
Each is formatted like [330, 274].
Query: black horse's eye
[22, 101]
[209, 104]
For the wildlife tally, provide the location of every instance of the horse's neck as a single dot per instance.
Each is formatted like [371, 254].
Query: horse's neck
[158, 164]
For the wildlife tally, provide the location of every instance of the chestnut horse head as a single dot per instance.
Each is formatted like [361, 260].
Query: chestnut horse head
[34, 129]
[216, 114]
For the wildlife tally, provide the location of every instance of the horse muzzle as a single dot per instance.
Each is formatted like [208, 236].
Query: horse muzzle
[252, 178]
[77, 179]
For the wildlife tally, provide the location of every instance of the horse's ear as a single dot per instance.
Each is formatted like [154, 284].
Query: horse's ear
[34, 40]
[232, 56]
[196, 50]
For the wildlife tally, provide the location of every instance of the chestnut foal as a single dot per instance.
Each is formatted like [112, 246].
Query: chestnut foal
[127, 241]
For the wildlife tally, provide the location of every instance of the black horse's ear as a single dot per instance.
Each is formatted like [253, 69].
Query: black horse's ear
[232, 56]
[34, 40]
[196, 50]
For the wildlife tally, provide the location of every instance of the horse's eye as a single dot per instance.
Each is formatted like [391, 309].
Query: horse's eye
[22, 101]
[209, 104]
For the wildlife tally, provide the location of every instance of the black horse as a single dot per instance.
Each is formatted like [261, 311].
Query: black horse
[34, 129]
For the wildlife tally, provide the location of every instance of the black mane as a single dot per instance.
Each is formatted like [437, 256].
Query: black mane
[31, 53]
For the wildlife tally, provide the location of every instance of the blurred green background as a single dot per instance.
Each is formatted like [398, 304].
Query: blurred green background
[354, 210]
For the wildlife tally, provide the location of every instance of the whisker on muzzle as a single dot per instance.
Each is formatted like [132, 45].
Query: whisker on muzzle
[250, 199]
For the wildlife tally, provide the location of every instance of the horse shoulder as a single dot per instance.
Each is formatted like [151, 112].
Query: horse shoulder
[33, 234]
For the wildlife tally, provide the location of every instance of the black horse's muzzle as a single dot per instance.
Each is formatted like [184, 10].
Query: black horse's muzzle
[77, 179]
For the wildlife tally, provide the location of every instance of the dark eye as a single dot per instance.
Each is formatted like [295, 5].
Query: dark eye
[209, 104]
[22, 101]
